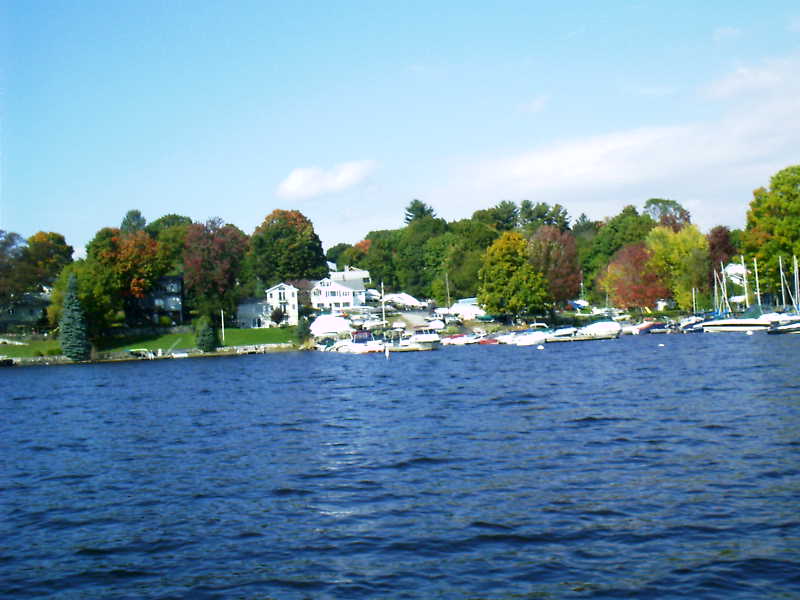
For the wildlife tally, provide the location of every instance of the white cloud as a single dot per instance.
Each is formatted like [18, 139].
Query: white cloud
[536, 105]
[772, 77]
[711, 167]
[721, 34]
[310, 182]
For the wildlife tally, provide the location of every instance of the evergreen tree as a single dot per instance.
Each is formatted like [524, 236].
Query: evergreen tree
[303, 332]
[74, 342]
[207, 338]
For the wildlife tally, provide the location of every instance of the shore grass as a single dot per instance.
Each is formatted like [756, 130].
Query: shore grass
[167, 342]
[31, 349]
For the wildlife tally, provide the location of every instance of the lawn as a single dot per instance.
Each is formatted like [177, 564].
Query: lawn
[167, 342]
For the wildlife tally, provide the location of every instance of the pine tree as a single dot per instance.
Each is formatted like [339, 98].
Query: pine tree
[207, 339]
[74, 342]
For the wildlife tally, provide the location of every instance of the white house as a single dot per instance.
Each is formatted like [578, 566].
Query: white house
[328, 294]
[257, 312]
[351, 274]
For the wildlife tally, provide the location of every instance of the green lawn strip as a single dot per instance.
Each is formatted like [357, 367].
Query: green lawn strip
[30, 349]
[249, 337]
[167, 342]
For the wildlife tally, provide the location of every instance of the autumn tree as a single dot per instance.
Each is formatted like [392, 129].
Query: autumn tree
[773, 225]
[46, 254]
[628, 227]
[553, 254]
[213, 259]
[509, 285]
[285, 246]
[629, 279]
[681, 260]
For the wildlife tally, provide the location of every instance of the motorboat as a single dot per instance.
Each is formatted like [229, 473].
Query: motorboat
[360, 342]
[753, 319]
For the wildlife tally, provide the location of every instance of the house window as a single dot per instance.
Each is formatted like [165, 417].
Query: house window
[281, 295]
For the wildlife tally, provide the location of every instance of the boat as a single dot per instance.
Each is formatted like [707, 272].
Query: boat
[753, 319]
[790, 324]
[360, 342]
[400, 341]
[600, 330]
[425, 336]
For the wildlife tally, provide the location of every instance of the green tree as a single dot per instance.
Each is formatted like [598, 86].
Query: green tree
[667, 213]
[132, 222]
[773, 225]
[285, 247]
[509, 285]
[155, 228]
[72, 325]
[206, 335]
[681, 260]
[412, 274]
[532, 216]
[417, 209]
[13, 281]
[335, 252]
[303, 331]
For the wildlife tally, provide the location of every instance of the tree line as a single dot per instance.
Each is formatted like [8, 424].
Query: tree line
[516, 258]
[532, 257]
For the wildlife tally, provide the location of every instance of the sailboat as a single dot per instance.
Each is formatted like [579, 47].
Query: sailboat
[753, 319]
[790, 322]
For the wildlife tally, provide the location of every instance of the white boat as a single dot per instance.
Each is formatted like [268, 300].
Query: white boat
[600, 329]
[789, 324]
[360, 342]
[425, 335]
[751, 320]
[531, 338]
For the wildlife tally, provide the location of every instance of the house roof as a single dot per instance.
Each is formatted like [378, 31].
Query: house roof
[279, 285]
[303, 284]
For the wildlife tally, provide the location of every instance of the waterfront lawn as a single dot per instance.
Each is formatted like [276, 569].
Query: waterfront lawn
[186, 341]
[37, 348]
[248, 337]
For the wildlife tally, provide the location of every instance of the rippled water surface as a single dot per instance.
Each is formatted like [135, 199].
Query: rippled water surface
[618, 469]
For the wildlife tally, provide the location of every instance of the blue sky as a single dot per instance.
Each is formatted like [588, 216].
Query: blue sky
[347, 111]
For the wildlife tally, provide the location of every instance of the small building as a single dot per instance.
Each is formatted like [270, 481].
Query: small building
[26, 311]
[257, 312]
[165, 299]
[328, 294]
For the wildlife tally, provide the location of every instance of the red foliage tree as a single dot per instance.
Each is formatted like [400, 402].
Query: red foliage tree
[629, 279]
[553, 253]
[212, 260]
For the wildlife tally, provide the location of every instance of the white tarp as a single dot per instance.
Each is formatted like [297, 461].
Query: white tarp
[403, 299]
[467, 312]
[327, 324]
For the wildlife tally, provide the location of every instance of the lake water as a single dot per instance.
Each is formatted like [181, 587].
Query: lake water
[613, 469]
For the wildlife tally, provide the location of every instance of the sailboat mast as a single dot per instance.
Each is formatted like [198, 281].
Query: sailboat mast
[796, 286]
[783, 282]
[744, 280]
[758, 289]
